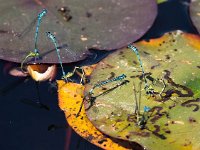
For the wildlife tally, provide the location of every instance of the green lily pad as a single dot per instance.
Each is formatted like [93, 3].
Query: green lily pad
[195, 13]
[173, 119]
[78, 26]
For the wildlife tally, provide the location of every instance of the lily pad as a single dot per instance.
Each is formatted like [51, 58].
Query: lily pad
[91, 24]
[172, 67]
[70, 96]
[195, 13]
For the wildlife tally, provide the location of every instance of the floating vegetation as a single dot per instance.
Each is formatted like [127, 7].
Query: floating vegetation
[82, 26]
[170, 117]
[81, 125]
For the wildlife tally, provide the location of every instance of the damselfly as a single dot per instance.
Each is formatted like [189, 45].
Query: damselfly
[90, 93]
[65, 76]
[35, 54]
[148, 88]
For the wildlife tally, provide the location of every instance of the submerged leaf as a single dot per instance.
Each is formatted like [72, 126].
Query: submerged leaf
[78, 26]
[172, 67]
[70, 96]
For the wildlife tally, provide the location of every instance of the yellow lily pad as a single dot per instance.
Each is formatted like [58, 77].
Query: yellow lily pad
[70, 97]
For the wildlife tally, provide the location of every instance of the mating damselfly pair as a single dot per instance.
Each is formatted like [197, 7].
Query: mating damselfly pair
[49, 35]
[18, 28]
[114, 83]
[132, 113]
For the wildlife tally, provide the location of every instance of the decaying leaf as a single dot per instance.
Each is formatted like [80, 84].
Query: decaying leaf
[172, 67]
[42, 72]
[70, 97]
[78, 26]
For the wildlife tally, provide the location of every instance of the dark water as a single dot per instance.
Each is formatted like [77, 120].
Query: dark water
[25, 126]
